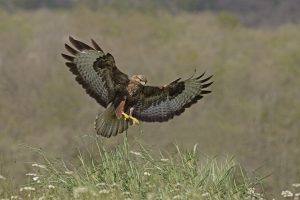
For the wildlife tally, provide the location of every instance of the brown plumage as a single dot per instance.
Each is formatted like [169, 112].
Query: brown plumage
[127, 99]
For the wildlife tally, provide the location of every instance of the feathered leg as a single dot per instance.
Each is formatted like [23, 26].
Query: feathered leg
[134, 120]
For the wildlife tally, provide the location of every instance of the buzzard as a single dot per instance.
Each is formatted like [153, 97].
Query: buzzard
[128, 99]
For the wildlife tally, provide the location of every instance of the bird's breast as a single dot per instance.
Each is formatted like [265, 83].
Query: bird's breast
[132, 88]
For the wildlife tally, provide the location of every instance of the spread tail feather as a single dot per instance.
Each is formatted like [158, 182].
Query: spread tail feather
[107, 124]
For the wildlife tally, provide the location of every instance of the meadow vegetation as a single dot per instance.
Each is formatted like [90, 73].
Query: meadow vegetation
[122, 173]
[253, 112]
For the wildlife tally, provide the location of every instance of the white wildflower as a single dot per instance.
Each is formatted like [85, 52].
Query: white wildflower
[150, 196]
[103, 191]
[2, 177]
[100, 184]
[177, 197]
[39, 166]
[42, 198]
[14, 197]
[135, 153]
[177, 184]
[93, 193]
[114, 185]
[31, 174]
[147, 174]
[27, 188]
[51, 186]
[206, 194]
[36, 178]
[251, 191]
[286, 193]
[79, 190]
[164, 159]
[296, 185]
[297, 194]
[69, 172]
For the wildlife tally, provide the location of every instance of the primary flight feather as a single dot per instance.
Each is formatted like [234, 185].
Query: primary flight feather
[128, 99]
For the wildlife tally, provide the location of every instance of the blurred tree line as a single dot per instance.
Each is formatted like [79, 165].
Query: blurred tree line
[253, 13]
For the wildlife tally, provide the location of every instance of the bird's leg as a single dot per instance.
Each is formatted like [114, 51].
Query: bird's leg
[134, 120]
[120, 110]
[125, 116]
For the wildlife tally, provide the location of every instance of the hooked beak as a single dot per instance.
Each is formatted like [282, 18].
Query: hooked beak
[143, 82]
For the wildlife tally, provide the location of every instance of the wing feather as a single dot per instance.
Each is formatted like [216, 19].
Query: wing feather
[67, 57]
[70, 49]
[96, 46]
[80, 45]
[162, 104]
[94, 70]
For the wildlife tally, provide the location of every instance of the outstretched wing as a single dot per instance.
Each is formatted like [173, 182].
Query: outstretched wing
[159, 104]
[94, 70]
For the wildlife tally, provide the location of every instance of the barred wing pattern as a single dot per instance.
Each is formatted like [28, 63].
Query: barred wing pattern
[93, 69]
[162, 104]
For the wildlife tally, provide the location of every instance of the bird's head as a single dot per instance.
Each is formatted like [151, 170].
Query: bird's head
[139, 78]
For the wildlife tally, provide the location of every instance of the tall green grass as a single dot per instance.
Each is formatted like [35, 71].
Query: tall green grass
[123, 173]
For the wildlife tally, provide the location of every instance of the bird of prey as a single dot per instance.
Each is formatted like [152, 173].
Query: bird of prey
[128, 99]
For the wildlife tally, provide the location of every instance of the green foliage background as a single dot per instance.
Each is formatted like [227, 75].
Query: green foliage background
[253, 112]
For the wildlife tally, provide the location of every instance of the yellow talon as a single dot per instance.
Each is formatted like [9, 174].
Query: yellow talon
[134, 120]
[125, 116]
